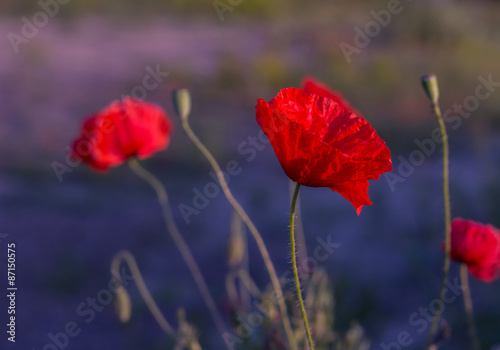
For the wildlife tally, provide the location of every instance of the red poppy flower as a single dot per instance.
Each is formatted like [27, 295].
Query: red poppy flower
[478, 246]
[122, 130]
[312, 86]
[320, 143]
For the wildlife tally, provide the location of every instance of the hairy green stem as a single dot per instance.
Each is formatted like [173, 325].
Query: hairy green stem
[464, 281]
[253, 230]
[300, 236]
[181, 245]
[446, 195]
[295, 269]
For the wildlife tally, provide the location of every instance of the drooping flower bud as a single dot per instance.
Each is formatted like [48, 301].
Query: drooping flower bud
[123, 305]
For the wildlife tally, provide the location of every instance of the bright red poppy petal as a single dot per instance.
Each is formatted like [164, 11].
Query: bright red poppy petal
[355, 192]
[474, 243]
[313, 86]
[122, 130]
[320, 144]
[478, 246]
[94, 146]
[487, 273]
[149, 125]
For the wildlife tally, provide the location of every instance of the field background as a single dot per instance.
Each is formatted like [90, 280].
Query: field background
[91, 52]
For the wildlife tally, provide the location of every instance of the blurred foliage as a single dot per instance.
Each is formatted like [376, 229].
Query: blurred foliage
[255, 313]
[259, 317]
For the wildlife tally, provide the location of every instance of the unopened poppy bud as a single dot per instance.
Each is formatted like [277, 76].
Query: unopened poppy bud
[194, 345]
[182, 103]
[235, 250]
[236, 247]
[430, 84]
[123, 305]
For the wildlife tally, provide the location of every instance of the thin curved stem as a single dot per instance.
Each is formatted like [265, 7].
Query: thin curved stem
[126, 256]
[245, 264]
[295, 269]
[464, 281]
[446, 195]
[253, 230]
[181, 244]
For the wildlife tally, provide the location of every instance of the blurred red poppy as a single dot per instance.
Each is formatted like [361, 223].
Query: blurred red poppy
[478, 246]
[124, 129]
[312, 86]
[321, 143]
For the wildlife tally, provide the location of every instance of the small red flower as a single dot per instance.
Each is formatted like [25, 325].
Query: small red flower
[122, 130]
[321, 143]
[478, 246]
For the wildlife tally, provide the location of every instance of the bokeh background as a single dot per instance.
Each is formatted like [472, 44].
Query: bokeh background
[388, 264]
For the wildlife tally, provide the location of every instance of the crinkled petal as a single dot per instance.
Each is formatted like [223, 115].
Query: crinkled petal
[355, 192]
[321, 144]
[313, 86]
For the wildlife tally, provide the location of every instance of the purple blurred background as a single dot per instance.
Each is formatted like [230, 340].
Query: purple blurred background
[389, 262]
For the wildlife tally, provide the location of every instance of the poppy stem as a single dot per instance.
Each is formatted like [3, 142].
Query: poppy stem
[126, 256]
[299, 230]
[253, 230]
[295, 269]
[446, 195]
[181, 245]
[464, 281]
